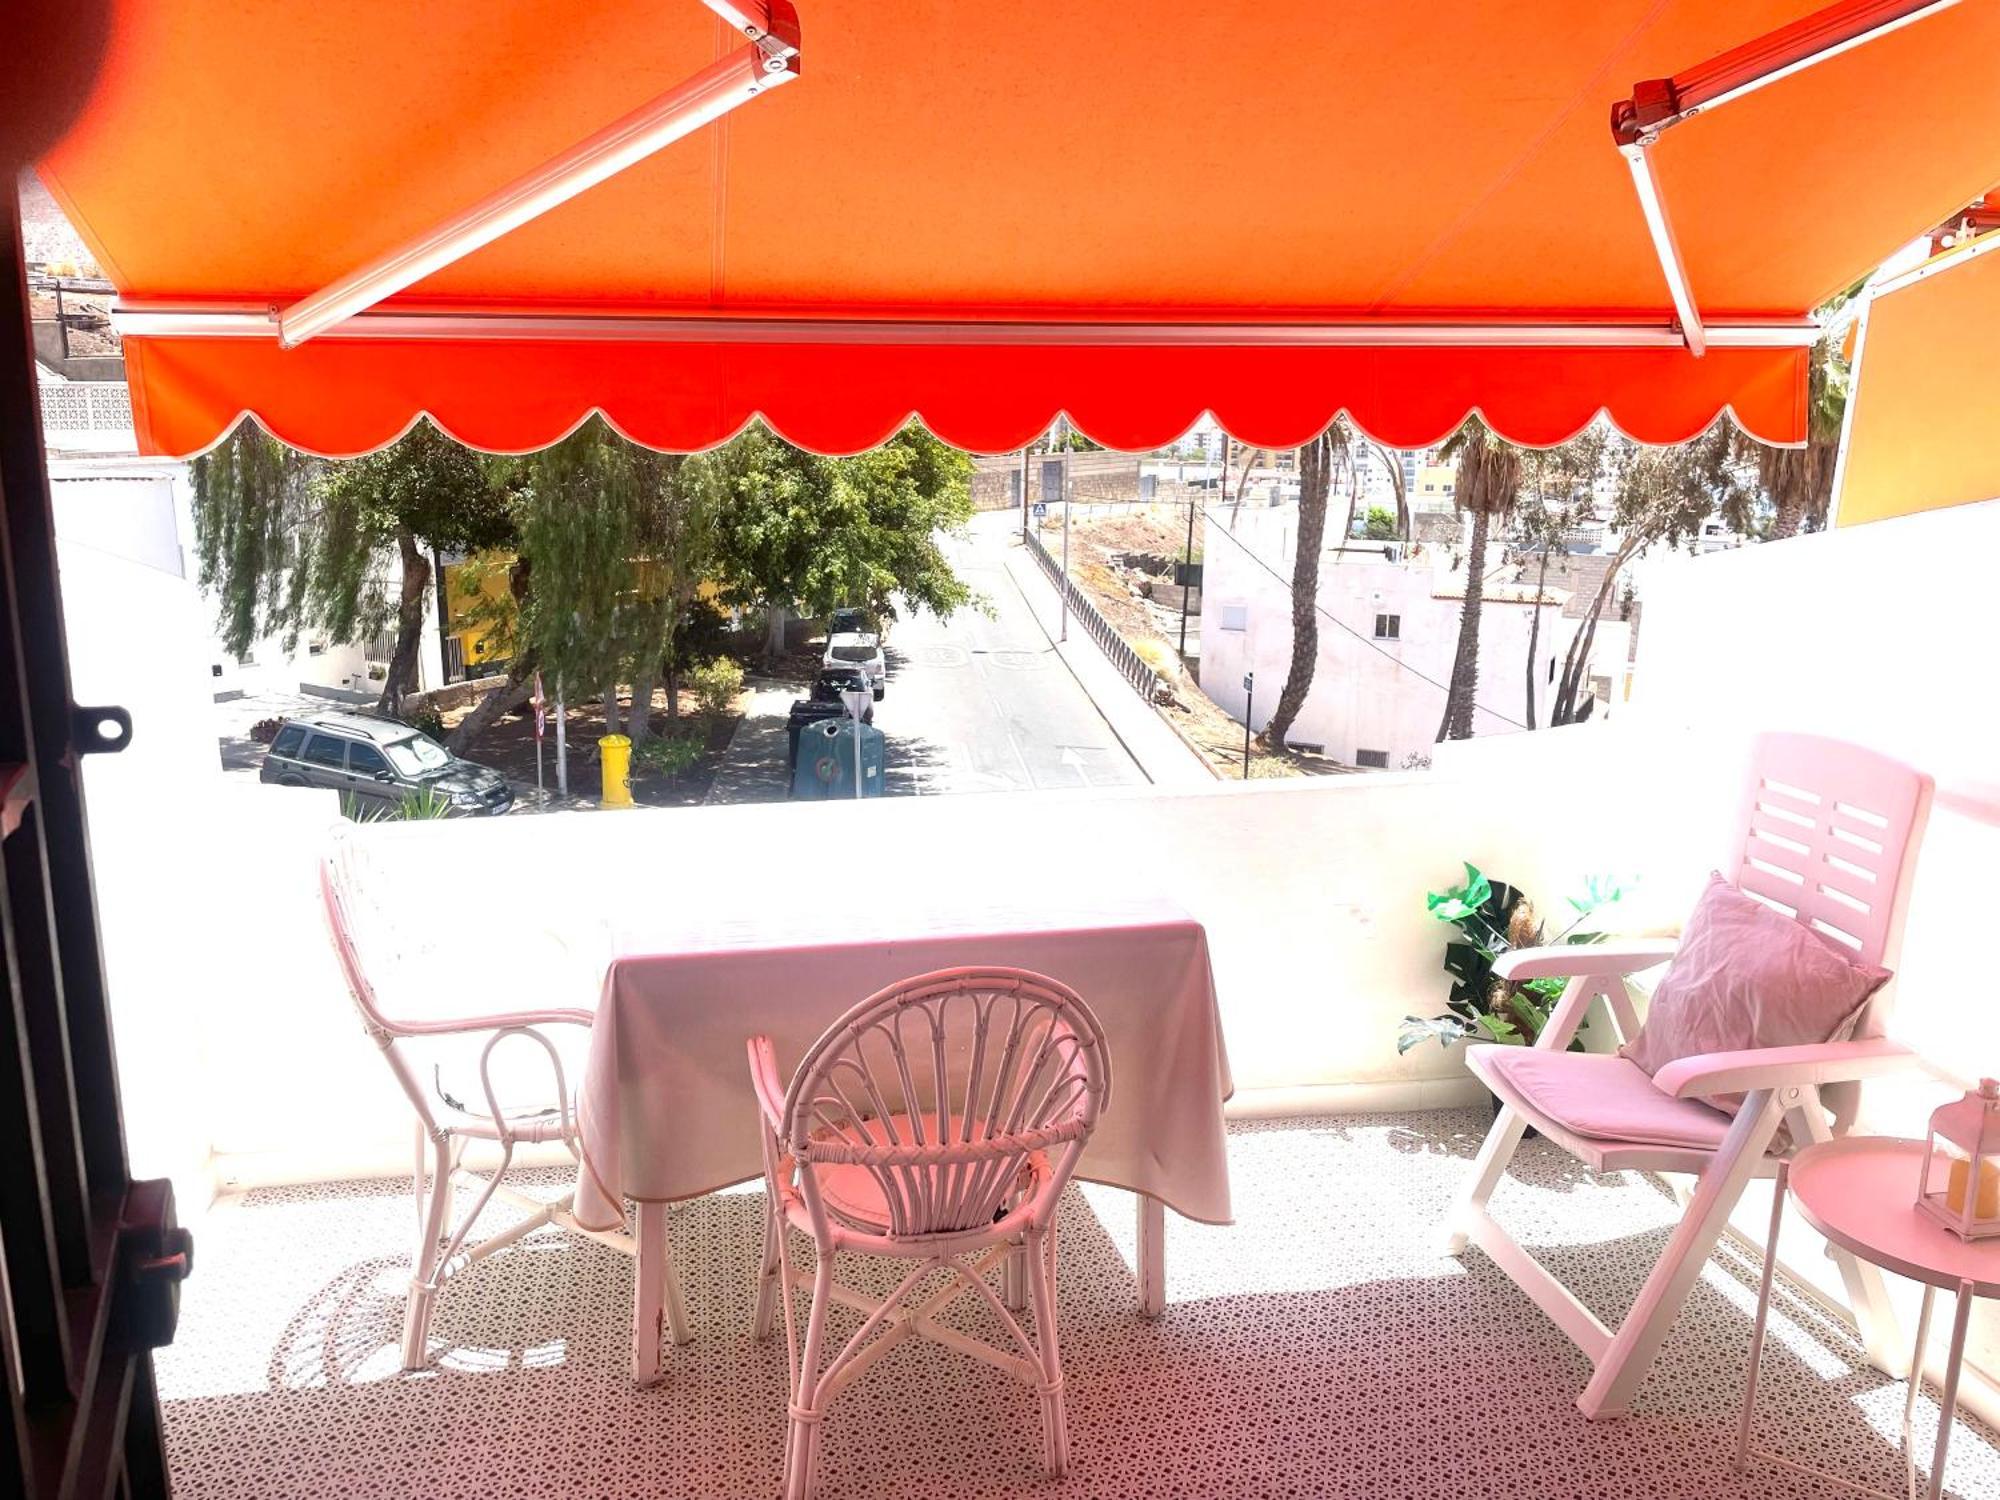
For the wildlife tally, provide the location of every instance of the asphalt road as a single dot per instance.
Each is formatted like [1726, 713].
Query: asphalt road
[983, 704]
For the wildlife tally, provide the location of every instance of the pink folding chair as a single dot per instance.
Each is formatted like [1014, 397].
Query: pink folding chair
[1825, 837]
[443, 1137]
[937, 1122]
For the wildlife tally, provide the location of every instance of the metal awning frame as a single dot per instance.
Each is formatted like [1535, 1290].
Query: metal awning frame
[1659, 104]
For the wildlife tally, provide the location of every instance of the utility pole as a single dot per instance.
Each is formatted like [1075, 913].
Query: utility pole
[1187, 573]
[562, 743]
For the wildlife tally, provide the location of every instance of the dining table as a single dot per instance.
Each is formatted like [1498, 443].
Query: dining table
[666, 1112]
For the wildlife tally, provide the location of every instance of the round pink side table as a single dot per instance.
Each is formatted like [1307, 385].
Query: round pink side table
[1861, 1194]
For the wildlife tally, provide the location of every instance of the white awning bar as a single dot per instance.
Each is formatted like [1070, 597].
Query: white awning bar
[255, 321]
[1660, 226]
[1658, 104]
[768, 58]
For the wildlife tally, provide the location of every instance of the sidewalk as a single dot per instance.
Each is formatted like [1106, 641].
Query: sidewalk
[1162, 755]
[753, 767]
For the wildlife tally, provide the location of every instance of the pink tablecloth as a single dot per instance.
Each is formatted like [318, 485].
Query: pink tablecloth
[666, 1109]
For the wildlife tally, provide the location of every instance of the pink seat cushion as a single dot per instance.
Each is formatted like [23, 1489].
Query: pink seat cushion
[1600, 1095]
[853, 1194]
[1747, 976]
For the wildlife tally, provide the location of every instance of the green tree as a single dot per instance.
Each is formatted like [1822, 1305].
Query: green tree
[1489, 478]
[289, 544]
[425, 493]
[1662, 496]
[1378, 525]
[795, 531]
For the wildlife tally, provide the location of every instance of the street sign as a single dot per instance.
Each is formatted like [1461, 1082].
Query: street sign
[541, 718]
[1041, 510]
[1249, 678]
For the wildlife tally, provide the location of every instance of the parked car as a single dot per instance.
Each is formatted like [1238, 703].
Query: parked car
[859, 648]
[379, 762]
[854, 621]
[824, 701]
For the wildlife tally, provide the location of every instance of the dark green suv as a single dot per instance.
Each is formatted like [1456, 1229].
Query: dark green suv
[379, 762]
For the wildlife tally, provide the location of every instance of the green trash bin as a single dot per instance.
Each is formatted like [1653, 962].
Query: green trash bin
[825, 769]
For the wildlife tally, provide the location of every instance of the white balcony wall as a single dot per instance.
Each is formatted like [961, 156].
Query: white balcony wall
[1312, 895]
[1880, 634]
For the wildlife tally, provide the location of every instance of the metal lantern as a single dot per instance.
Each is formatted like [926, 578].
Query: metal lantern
[1960, 1187]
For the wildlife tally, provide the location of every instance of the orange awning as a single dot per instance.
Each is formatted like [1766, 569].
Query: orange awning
[1925, 406]
[983, 214]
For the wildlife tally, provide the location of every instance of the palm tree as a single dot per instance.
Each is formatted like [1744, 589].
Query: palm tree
[1799, 481]
[1489, 476]
[1317, 462]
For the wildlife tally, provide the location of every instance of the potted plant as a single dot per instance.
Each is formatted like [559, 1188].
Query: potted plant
[1493, 918]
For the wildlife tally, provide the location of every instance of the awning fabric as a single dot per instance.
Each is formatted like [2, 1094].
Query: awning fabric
[1183, 162]
[1925, 407]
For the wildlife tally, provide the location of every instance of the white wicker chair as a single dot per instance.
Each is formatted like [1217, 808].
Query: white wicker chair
[939, 1119]
[357, 926]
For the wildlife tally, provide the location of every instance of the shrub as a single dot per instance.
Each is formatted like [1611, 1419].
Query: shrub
[427, 720]
[266, 730]
[1158, 655]
[715, 685]
[417, 804]
[672, 756]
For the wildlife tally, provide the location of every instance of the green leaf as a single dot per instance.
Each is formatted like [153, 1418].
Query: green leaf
[1444, 1030]
[1499, 1029]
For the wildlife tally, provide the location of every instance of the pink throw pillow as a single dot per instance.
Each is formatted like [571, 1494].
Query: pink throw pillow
[1747, 976]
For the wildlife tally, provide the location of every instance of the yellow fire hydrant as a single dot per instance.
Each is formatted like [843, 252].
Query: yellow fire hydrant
[615, 757]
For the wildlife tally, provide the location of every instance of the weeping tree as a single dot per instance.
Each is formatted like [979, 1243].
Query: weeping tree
[289, 544]
[674, 499]
[1489, 478]
[1319, 461]
[573, 508]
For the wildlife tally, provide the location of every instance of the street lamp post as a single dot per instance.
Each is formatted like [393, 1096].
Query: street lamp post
[1249, 696]
[857, 700]
[1064, 590]
[1024, 489]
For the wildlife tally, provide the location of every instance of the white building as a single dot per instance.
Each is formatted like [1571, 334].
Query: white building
[1388, 632]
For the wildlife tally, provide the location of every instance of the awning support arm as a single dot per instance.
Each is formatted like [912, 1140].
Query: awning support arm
[769, 57]
[1658, 104]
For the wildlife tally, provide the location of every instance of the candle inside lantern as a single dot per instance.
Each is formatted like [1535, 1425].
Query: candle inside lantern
[1988, 1204]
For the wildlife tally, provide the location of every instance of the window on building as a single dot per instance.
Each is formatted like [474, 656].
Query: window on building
[325, 750]
[1373, 760]
[315, 648]
[1235, 617]
[1388, 627]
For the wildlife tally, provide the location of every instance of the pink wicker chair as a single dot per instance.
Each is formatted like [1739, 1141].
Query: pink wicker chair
[941, 1118]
